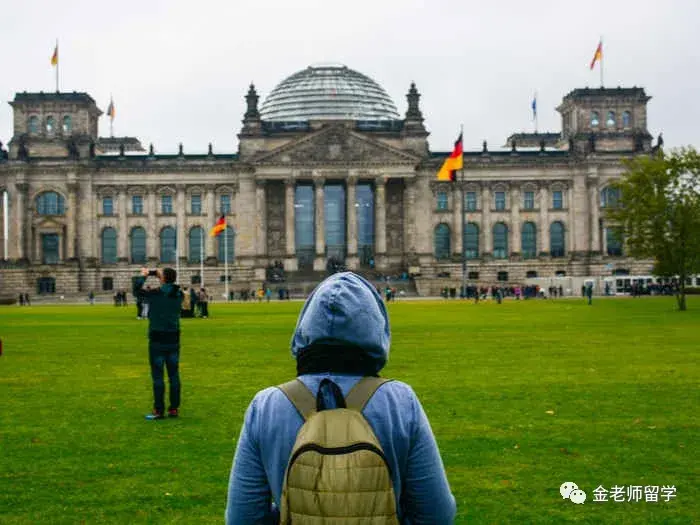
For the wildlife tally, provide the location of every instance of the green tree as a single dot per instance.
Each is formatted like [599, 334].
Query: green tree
[659, 213]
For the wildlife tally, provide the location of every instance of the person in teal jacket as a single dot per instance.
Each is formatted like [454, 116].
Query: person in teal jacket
[165, 304]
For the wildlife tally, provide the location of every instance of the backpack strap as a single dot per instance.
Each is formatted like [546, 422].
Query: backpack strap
[362, 392]
[300, 396]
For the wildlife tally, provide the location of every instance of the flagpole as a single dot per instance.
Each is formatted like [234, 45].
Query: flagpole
[58, 64]
[177, 256]
[226, 259]
[201, 261]
[601, 62]
[464, 213]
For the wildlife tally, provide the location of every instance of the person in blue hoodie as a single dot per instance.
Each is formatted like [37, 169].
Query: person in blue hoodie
[342, 334]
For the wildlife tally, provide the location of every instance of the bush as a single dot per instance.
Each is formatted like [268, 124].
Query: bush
[8, 299]
[693, 290]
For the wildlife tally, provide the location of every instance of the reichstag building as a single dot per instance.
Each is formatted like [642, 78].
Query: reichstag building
[327, 171]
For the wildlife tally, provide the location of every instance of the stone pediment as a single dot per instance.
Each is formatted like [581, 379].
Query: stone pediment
[47, 223]
[336, 145]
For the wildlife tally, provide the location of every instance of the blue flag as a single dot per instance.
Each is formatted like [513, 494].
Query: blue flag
[534, 107]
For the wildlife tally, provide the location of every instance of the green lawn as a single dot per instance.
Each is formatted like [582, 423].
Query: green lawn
[522, 397]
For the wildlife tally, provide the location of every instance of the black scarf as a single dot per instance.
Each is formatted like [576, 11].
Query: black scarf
[335, 358]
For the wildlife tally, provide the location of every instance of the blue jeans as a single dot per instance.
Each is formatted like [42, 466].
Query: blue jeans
[167, 355]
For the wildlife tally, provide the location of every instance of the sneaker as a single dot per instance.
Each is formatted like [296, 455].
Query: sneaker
[173, 412]
[155, 415]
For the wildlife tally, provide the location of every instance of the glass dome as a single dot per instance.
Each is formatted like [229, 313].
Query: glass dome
[328, 92]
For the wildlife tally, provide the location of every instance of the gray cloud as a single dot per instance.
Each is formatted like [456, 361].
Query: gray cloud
[179, 70]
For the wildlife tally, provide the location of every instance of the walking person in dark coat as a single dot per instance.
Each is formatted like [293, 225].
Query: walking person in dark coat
[165, 304]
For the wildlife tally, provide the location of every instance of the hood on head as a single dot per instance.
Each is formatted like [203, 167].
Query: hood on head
[345, 310]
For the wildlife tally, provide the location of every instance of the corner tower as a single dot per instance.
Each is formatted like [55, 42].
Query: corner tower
[53, 125]
[605, 119]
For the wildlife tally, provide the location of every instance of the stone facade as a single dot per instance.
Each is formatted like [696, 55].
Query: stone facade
[418, 223]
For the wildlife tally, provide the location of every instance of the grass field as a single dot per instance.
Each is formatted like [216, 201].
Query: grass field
[522, 397]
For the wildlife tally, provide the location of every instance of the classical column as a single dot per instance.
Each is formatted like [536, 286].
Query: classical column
[409, 220]
[209, 246]
[486, 226]
[123, 233]
[71, 220]
[351, 203]
[86, 234]
[543, 230]
[515, 228]
[570, 246]
[320, 259]
[380, 216]
[261, 218]
[181, 228]
[289, 216]
[21, 219]
[594, 207]
[152, 240]
[457, 218]
[290, 263]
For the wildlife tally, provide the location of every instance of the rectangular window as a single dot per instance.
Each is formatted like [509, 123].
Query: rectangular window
[49, 248]
[166, 204]
[196, 204]
[500, 198]
[502, 276]
[473, 276]
[107, 284]
[225, 204]
[442, 200]
[137, 205]
[529, 200]
[470, 201]
[107, 206]
[557, 200]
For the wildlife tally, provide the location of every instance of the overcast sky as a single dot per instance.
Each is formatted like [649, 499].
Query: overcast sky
[179, 70]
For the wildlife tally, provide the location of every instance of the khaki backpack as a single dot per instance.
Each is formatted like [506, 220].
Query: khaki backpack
[337, 472]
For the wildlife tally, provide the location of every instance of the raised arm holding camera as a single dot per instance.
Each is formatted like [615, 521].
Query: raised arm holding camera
[165, 303]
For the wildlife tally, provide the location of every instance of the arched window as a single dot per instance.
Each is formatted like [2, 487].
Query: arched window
[556, 239]
[500, 241]
[627, 120]
[595, 119]
[228, 245]
[67, 124]
[168, 245]
[196, 247]
[109, 246]
[610, 121]
[33, 124]
[442, 241]
[529, 240]
[613, 241]
[610, 197]
[50, 203]
[138, 245]
[50, 125]
[471, 240]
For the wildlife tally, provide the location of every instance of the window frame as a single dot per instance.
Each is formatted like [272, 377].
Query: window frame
[442, 201]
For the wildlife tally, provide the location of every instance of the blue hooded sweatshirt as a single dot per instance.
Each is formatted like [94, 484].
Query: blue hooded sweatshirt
[344, 310]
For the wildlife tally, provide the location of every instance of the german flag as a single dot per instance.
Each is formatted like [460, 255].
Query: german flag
[598, 55]
[54, 57]
[218, 227]
[452, 163]
[111, 112]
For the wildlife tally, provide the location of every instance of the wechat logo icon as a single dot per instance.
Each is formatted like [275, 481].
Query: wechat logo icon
[569, 490]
